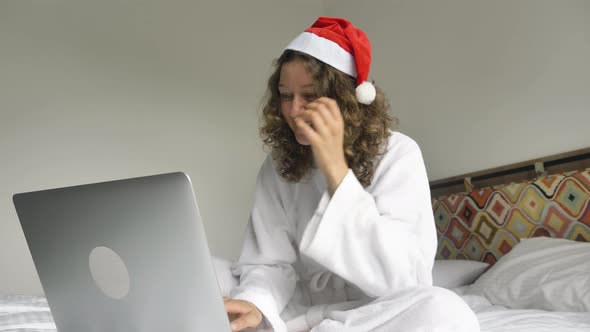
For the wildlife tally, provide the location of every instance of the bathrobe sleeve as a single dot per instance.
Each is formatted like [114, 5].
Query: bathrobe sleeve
[267, 277]
[381, 239]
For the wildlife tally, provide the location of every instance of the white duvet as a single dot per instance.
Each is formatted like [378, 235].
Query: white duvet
[31, 314]
[25, 314]
[496, 318]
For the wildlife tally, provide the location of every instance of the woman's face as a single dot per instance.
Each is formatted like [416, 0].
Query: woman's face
[296, 89]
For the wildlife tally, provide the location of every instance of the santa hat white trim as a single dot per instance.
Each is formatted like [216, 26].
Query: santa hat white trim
[324, 50]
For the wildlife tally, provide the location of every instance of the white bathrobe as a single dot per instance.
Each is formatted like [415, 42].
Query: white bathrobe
[356, 261]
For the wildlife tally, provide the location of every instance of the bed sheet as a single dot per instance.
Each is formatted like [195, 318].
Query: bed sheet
[31, 314]
[496, 318]
[19, 313]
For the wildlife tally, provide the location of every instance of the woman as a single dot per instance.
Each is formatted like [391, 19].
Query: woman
[341, 235]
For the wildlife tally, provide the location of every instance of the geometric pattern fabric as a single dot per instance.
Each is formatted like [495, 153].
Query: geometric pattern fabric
[486, 223]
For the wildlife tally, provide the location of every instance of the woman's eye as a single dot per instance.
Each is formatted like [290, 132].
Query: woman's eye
[285, 97]
[311, 97]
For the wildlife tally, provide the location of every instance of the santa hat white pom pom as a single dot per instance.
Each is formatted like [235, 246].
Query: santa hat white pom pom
[365, 93]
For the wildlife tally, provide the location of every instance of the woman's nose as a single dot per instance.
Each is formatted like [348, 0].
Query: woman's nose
[297, 106]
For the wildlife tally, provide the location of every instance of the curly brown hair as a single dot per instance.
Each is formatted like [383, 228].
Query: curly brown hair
[366, 127]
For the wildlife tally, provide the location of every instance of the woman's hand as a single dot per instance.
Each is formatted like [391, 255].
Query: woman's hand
[322, 124]
[242, 314]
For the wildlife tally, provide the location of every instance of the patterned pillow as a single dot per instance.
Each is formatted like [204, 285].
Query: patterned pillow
[487, 223]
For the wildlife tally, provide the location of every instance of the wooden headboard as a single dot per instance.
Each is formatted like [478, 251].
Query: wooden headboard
[517, 172]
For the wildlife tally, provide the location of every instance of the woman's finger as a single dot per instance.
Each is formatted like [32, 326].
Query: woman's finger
[319, 121]
[331, 105]
[330, 122]
[305, 129]
[330, 112]
[251, 319]
[237, 306]
[238, 324]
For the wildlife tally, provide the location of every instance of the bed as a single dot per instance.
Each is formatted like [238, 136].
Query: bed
[514, 243]
[20, 313]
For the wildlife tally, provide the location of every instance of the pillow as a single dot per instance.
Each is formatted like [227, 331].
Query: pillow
[540, 273]
[456, 273]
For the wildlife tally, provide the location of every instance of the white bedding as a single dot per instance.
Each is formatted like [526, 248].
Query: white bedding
[496, 318]
[25, 314]
[31, 314]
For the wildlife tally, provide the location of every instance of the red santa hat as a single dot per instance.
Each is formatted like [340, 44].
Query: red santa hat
[336, 42]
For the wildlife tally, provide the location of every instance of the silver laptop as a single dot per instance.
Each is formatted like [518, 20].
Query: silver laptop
[127, 255]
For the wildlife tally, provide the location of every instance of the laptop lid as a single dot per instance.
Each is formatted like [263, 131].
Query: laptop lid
[126, 255]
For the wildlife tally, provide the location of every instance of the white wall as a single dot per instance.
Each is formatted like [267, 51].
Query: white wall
[99, 90]
[481, 83]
